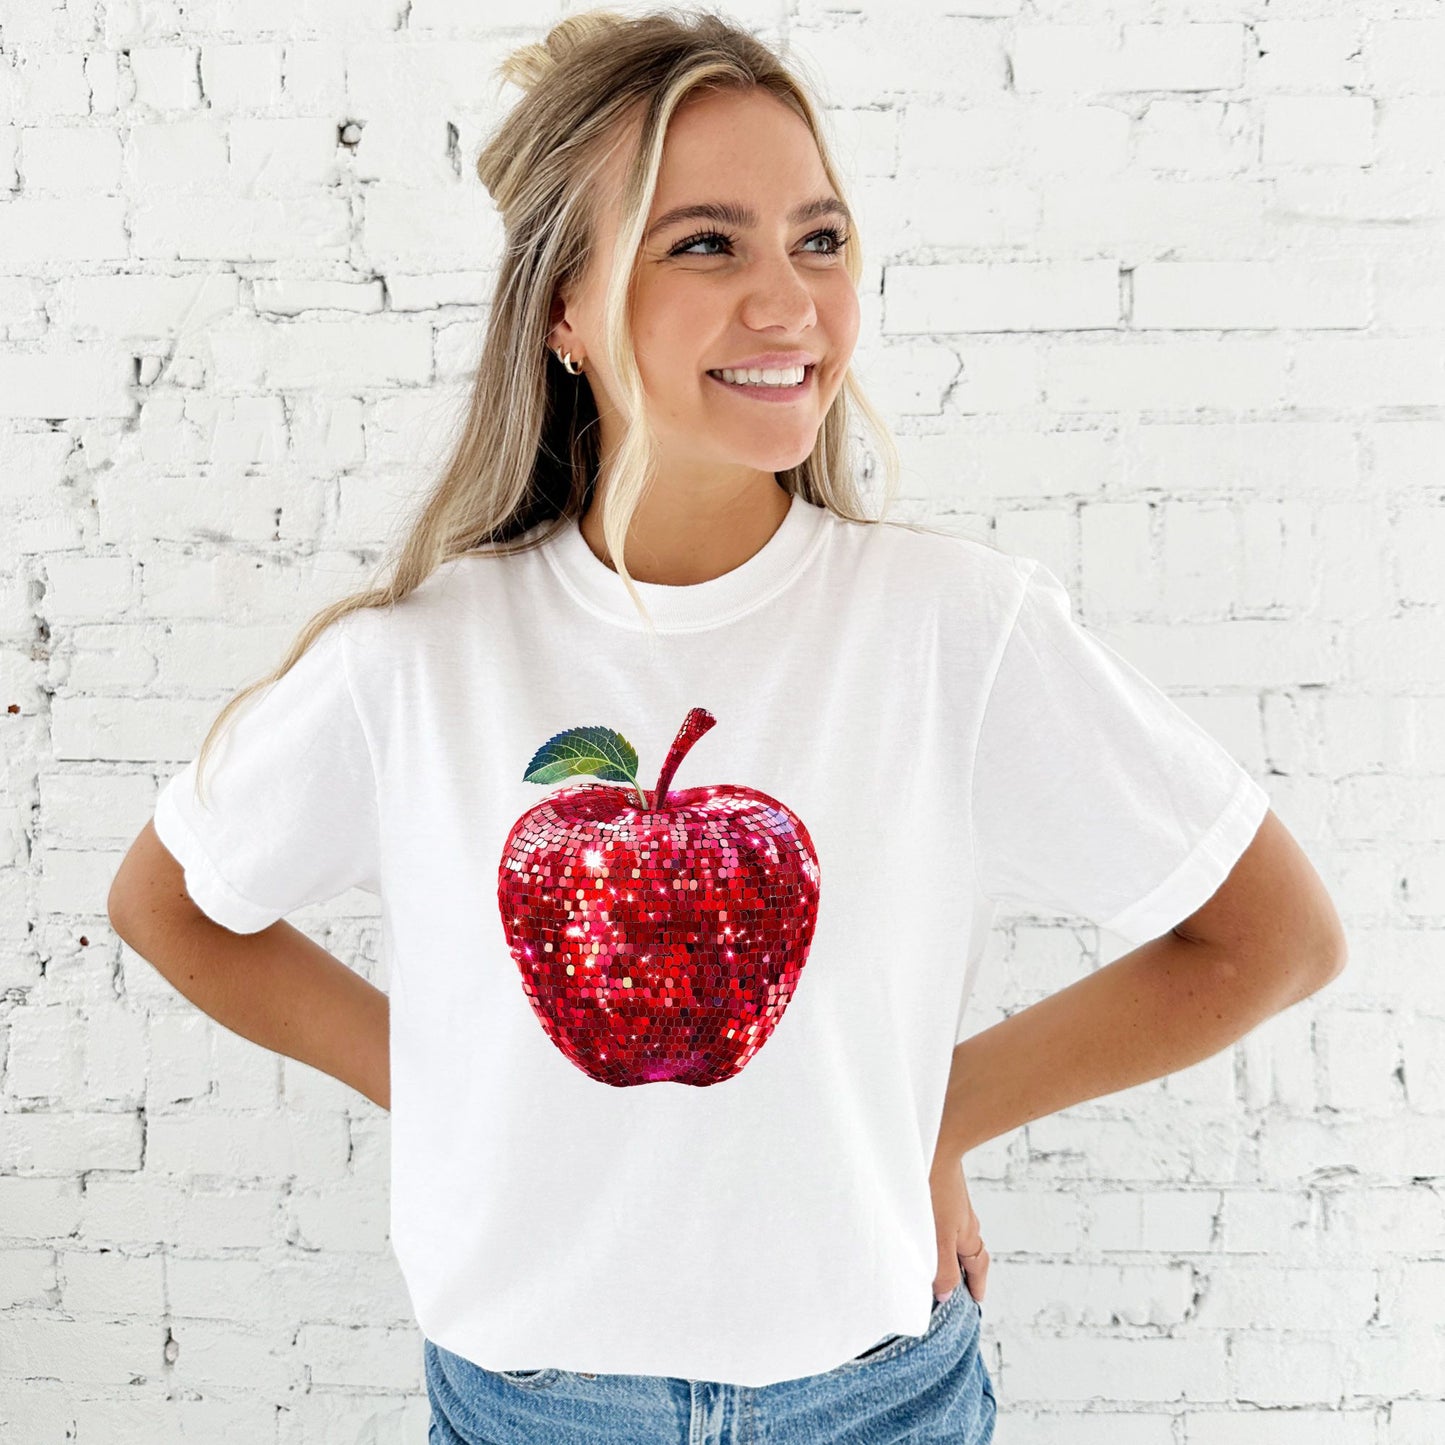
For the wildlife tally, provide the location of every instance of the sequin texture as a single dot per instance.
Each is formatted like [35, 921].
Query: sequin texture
[658, 937]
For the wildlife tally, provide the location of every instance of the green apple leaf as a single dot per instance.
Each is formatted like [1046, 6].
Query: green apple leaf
[596, 750]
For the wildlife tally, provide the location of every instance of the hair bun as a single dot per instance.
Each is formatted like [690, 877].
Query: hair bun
[528, 65]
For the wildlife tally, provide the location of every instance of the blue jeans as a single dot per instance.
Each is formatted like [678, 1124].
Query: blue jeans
[932, 1387]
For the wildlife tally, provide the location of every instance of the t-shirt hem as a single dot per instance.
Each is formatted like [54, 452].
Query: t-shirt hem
[1199, 876]
[210, 892]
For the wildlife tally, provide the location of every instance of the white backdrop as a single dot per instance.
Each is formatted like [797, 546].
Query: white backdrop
[1154, 292]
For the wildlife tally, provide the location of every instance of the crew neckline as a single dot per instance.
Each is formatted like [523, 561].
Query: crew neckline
[695, 604]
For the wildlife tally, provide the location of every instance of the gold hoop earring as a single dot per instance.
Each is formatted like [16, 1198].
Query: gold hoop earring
[567, 364]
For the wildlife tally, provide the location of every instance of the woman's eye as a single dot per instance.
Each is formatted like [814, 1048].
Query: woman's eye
[831, 234]
[683, 247]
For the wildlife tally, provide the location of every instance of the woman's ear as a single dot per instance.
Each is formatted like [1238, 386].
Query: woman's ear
[561, 334]
[556, 313]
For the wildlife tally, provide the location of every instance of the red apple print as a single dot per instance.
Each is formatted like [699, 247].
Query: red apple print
[659, 937]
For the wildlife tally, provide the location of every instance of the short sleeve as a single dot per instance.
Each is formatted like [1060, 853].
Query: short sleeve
[290, 815]
[1095, 794]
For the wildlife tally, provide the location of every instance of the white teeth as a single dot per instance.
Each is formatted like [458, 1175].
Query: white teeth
[759, 376]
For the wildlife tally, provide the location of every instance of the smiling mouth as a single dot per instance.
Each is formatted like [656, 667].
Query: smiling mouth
[764, 386]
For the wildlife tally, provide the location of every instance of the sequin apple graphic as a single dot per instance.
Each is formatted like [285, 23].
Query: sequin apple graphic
[660, 936]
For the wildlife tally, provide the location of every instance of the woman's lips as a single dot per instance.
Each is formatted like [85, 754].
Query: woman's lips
[769, 393]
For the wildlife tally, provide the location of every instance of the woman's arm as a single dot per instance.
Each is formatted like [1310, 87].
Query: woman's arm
[276, 987]
[1268, 938]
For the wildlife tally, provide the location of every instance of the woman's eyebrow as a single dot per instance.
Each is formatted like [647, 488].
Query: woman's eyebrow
[730, 213]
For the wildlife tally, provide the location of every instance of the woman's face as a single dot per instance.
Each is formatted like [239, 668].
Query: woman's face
[710, 293]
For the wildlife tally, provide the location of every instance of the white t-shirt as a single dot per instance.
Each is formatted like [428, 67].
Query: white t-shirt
[666, 1083]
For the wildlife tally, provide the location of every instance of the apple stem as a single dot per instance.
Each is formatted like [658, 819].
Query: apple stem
[694, 725]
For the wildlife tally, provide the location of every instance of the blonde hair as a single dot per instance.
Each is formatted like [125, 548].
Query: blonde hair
[526, 452]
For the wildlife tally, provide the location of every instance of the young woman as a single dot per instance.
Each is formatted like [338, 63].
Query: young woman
[688, 793]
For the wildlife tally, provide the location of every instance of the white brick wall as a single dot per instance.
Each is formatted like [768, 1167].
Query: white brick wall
[1154, 291]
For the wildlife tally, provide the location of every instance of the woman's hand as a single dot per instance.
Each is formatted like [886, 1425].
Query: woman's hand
[961, 1255]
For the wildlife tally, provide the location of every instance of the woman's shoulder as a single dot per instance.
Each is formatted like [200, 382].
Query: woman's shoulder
[437, 617]
[925, 554]
[452, 583]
